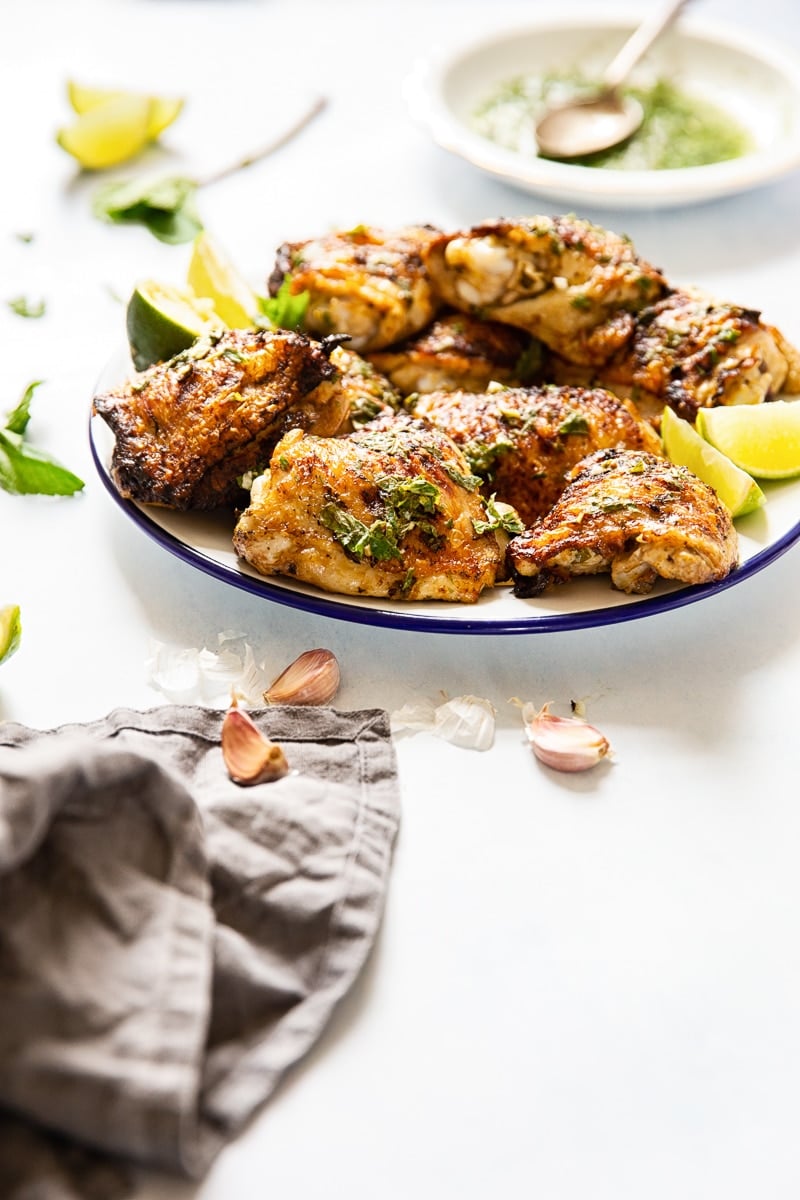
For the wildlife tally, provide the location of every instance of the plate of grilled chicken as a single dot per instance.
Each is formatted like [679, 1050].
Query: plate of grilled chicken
[462, 438]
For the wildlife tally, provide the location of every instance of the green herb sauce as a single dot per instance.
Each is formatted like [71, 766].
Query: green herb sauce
[678, 130]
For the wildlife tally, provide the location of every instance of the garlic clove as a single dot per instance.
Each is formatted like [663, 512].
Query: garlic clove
[313, 678]
[250, 756]
[564, 743]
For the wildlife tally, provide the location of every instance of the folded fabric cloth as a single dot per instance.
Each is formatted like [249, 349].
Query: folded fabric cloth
[171, 943]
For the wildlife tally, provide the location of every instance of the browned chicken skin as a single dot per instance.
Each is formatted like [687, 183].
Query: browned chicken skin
[366, 282]
[187, 430]
[524, 441]
[568, 282]
[384, 512]
[690, 351]
[459, 351]
[635, 515]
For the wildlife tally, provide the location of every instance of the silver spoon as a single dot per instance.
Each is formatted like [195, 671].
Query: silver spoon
[602, 121]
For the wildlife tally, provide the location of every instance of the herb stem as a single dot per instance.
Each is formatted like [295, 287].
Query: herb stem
[268, 148]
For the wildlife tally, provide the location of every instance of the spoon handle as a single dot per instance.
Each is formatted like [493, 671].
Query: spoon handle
[640, 42]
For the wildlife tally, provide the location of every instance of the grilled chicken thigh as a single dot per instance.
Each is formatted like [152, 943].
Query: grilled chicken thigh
[635, 515]
[524, 441]
[186, 430]
[368, 283]
[690, 352]
[571, 284]
[388, 512]
[369, 394]
[459, 351]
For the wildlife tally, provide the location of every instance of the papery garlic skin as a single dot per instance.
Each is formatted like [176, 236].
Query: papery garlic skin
[311, 679]
[249, 756]
[564, 743]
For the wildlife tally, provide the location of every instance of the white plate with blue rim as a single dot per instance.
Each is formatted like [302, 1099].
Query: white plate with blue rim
[753, 83]
[204, 540]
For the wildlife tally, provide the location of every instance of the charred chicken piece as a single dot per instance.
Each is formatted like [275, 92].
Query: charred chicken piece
[635, 515]
[385, 512]
[460, 351]
[365, 282]
[524, 441]
[691, 352]
[186, 430]
[568, 282]
[369, 394]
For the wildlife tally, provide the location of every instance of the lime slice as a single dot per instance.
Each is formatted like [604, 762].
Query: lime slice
[763, 439]
[163, 109]
[213, 275]
[163, 320]
[10, 630]
[110, 133]
[738, 492]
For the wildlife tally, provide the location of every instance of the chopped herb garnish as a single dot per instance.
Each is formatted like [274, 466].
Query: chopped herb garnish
[285, 310]
[482, 457]
[375, 540]
[581, 301]
[23, 307]
[233, 355]
[574, 423]
[506, 519]
[27, 238]
[283, 462]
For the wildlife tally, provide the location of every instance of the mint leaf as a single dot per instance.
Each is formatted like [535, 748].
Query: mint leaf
[26, 471]
[164, 206]
[17, 419]
[285, 310]
[23, 307]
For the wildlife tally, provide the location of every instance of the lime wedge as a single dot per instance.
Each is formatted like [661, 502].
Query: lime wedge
[213, 275]
[163, 320]
[163, 109]
[10, 630]
[763, 439]
[683, 445]
[110, 133]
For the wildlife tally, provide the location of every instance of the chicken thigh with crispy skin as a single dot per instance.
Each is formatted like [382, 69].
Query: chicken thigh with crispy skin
[384, 512]
[366, 282]
[635, 515]
[186, 430]
[524, 441]
[568, 282]
[459, 351]
[369, 394]
[691, 352]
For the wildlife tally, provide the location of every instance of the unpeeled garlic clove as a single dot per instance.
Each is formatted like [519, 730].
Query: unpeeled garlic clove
[564, 743]
[313, 678]
[250, 756]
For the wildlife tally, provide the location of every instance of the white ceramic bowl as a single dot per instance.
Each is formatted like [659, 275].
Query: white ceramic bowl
[758, 84]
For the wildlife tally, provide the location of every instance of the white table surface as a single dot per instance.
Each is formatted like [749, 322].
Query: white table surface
[585, 986]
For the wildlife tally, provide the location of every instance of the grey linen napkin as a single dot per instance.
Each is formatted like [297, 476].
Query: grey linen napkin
[170, 943]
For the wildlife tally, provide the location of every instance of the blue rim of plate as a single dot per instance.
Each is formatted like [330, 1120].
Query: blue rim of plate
[339, 608]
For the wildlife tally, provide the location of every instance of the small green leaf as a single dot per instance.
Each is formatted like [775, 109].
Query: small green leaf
[24, 307]
[26, 471]
[285, 310]
[164, 206]
[506, 519]
[17, 419]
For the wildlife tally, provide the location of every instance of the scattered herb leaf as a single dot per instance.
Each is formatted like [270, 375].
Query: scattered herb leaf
[164, 206]
[24, 307]
[25, 470]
